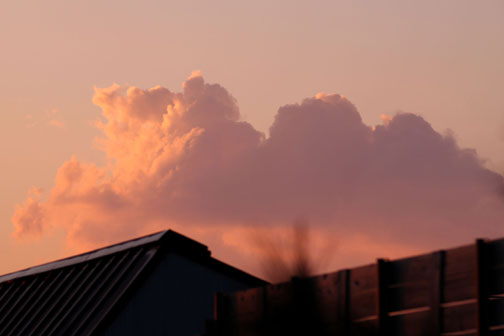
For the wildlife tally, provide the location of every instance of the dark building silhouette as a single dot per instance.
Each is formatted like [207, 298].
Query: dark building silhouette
[161, 284]
[459, 291]
[168, 284]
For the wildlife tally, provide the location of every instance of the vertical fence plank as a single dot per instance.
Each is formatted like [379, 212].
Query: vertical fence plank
[382, 296]
[221, 316]
[437, 291]
[344, 302]
[482, 326]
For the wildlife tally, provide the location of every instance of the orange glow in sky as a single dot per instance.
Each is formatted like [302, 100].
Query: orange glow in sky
[401, 153]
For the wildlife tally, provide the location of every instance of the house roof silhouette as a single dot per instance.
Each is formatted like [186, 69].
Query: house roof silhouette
[84, 294]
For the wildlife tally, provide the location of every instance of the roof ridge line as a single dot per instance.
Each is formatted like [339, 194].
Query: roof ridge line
[87, 256]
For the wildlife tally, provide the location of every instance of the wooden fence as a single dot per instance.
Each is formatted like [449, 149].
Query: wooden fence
[458, 291]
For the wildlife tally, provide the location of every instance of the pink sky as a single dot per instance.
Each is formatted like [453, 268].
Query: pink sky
[439, 61]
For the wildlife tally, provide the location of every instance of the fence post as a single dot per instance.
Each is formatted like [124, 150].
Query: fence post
[382, 296]
[344, 302]
[481, 288]
[217, 325]
[437, 291]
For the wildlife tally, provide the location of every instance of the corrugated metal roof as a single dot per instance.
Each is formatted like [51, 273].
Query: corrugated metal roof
[73, 296]
[86, 256]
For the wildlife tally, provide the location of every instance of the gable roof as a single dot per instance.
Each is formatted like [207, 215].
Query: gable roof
[74, 295]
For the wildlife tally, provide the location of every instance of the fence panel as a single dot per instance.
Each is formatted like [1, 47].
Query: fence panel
[459, 291]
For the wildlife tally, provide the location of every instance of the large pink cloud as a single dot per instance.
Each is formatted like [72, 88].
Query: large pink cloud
[186, 160]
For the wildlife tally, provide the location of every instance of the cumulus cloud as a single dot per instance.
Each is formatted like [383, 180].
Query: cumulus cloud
[186, 160]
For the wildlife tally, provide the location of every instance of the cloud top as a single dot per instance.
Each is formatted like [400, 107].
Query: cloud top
[186, 160]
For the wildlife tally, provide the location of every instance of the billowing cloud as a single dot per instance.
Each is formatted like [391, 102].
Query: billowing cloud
[185, 160]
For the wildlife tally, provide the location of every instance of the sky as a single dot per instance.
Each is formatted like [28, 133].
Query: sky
[399, 102]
